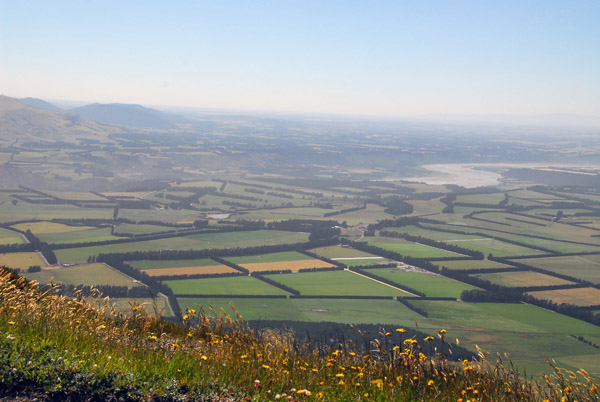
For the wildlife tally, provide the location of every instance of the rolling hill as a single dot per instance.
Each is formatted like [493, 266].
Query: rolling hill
[129, 115]
[22, 123]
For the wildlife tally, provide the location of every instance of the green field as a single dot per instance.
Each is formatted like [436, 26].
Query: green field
[271, 257]
[194, 242]
[30, 212]
[45, 227]
[522, 279]
[430, 284]
[10, 237]
[473, 242]
[238, 285]
[158, 264]
[85, 274]
[349, 311]
[79, 236]
[407, 248]
[129, 228]
[527, 333]
[491, 199]
[471, 264]
[335, 283]
[21, 260]
[585, 267]
[350, 256]
[340, 252]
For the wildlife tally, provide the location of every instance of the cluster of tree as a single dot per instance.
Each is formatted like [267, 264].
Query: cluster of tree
[375, 266]
[328, 260]
[275, 283]
[371, 275]
[154, 285]
[478, 255]
[412, 307]
[345, 211]
[37, 200]
[239, 204]
[231, 265]
[237, 197]
[322, 205]
[41, 246]
[34, 268]
[395, 205]
[16, 247]
[586, 341]
[209, 253]
[254, 190]
[321, 269]
[399, 222]
[280, 195]
[196, 276]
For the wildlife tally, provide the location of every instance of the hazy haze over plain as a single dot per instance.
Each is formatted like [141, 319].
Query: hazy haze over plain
[389, 58]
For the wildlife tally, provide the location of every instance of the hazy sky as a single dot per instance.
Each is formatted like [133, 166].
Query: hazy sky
[394, 58]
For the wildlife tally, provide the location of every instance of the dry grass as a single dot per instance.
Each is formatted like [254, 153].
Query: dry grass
[206, 269]
[578, 296]
[293, 266]
[63, 349]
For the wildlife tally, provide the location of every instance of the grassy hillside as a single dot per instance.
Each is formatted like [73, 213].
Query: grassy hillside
[63, 349]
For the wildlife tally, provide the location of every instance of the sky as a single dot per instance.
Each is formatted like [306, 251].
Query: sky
[367, 58]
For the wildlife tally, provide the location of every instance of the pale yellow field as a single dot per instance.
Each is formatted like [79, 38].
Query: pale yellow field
[294, 266]
[578, 297]
[49, 227]
[206, 269]
[21, 260]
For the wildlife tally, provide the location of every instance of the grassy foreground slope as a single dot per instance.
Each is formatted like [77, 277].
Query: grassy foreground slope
[49, 348]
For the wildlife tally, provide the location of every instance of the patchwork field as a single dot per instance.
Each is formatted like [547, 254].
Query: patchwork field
[141, 229]
[46, 227]
[430, 284]
[471, 264]
[336, 283]
[474, 242]
[242, 285]
[410, 249]
[525, 332]
[79, 236]
[10, 237]
[21, 260]
[350, 256]
[159, 264]
[194, 242]
[578, 296]
[388, 312]
[522, 279]
[194, 270]
[585, 267]
[85, 274]
[291, 260]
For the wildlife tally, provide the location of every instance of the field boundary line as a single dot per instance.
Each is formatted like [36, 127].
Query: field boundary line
[383, 283]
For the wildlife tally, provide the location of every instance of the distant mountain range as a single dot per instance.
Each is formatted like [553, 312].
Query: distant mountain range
[41, 104]
[21, 123]
[117, 114]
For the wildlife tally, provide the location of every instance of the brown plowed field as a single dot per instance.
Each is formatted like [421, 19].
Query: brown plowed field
[578, 296]
[294, 266]
[206, 269]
